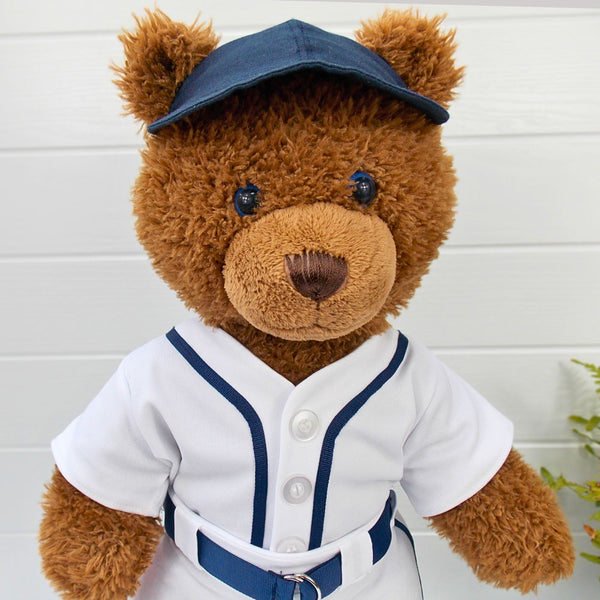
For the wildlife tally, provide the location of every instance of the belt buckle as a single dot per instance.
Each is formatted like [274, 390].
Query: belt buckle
[303, 577]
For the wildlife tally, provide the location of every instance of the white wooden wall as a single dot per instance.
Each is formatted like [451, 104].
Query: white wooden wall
[514, 295]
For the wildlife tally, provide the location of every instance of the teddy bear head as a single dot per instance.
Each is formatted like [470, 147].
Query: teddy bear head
[307, 205]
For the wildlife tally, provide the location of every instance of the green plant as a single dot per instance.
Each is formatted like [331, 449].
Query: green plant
[588, 430]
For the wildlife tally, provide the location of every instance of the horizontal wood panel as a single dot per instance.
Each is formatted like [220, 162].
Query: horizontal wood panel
[512, 298]
[75, 204]
[29, 16]
[536, 391]
[20, 570]
[530, 76]
[102, 306]
[42, 396]
[469, 299]
[520, 190]
[61, 93]
[27, 472]
[511, 191]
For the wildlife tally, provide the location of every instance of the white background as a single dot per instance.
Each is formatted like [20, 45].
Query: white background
[514, 295]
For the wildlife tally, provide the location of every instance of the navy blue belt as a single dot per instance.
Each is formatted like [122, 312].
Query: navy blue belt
[259, 584]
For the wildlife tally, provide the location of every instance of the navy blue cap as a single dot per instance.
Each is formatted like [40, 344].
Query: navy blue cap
[286, 48]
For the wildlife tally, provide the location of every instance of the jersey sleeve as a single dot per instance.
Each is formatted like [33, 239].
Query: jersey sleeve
[458, 444]
[109, 451]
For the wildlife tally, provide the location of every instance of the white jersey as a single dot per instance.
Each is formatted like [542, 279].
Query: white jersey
[285, 468]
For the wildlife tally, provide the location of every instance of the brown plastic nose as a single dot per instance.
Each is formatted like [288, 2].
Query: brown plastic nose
[316, 275]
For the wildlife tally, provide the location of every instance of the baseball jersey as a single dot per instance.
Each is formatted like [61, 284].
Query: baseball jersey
[283, 467]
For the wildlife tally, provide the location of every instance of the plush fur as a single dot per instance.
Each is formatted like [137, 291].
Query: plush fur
[159, 55]
[512, 533]
[90, 552]
[418, 49]
[298, 139]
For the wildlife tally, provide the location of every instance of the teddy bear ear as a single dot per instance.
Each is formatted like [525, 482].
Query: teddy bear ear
[159, 55]
[417, 49]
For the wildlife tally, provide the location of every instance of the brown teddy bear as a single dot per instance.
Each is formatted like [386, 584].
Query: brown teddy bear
[294, 190]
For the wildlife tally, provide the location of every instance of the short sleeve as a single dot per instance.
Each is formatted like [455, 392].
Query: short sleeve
[459, 443]
[107, 454]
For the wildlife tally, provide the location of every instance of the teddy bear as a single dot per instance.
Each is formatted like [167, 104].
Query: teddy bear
[293, 192]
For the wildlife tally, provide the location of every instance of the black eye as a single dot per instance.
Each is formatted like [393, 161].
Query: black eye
[364, 188]
[247, 200]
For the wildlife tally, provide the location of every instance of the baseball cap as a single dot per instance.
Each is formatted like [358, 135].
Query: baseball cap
[286, 48]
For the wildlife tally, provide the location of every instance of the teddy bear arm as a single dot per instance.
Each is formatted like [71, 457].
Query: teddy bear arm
[512, 533]
[90, 552]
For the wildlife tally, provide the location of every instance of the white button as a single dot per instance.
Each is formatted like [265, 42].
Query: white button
[292, 544]
[297, 490]
[305, 425]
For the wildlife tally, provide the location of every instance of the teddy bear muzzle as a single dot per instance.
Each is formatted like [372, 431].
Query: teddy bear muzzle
[310, 272]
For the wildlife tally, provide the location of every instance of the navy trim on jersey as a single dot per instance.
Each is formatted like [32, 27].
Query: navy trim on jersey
[169, 521]
[402, 527]
[256, 430]
[334, 429]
